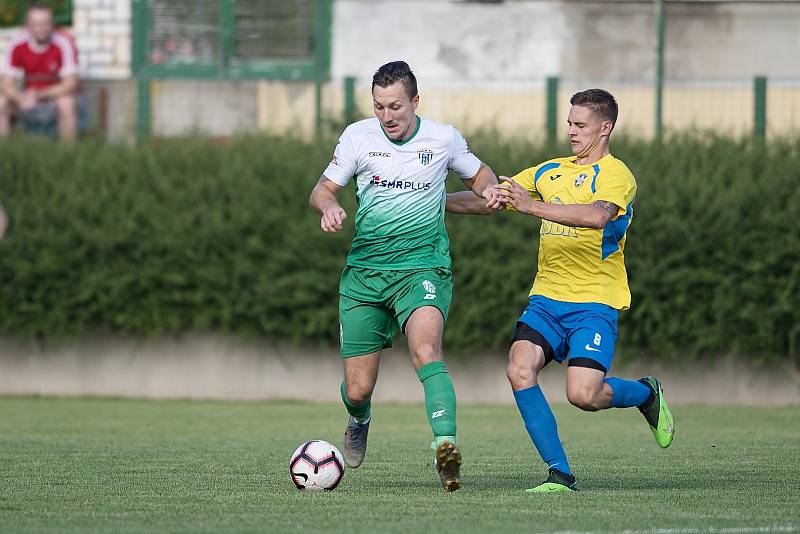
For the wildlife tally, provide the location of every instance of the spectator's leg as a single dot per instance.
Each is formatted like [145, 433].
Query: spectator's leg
[5, 117]
[67, 118]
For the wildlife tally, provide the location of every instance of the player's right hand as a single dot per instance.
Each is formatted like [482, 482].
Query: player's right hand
[332, 219]
[492, 196]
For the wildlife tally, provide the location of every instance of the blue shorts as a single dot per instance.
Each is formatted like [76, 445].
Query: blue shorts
[584, 333]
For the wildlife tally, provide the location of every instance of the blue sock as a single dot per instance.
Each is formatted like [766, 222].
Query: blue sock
[627, 393]
[541, 426]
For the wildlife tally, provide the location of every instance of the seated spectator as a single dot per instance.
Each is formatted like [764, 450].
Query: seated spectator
[46, 60]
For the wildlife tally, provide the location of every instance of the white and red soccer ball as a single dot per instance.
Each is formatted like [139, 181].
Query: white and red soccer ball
[316, 465]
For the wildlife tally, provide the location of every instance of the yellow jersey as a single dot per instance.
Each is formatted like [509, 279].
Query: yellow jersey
[583, 264]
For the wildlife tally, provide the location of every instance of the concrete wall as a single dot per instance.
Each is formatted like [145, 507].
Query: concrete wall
[111, 108]
[450, 42]
[217, 367]
[213, 107]
[530, 40]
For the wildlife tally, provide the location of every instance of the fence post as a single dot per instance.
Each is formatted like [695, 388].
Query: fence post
[760, 106]
[143, 128]
[349, 99]
[552, 108]
[140, 64]
[661, 24]
[317, 106]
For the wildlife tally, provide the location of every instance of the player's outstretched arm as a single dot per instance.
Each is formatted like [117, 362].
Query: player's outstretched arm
[323, 200]
[483, 199]
[595, 215]
[482, 180]
[484, 184]
[466, 203]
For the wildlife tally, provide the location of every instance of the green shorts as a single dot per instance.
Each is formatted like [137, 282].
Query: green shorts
[375, 304]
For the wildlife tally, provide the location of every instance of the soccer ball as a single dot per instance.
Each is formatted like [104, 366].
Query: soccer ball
[316, 465]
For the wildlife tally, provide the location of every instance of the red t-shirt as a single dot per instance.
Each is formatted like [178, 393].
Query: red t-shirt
[42, 66]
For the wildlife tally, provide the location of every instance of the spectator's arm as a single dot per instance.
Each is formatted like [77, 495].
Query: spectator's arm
[12, 72]
[67, 86]
[8, 86]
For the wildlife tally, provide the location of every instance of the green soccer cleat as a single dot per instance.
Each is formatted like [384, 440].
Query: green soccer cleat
[448, 465]
[557, 482]
[657, 413]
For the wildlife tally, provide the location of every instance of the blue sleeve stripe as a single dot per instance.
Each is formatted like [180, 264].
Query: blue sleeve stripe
[614, 231]
[543, 169]
[596, 168]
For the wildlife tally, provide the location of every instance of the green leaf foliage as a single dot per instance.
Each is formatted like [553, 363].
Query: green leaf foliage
[12, 12]
[187, 235]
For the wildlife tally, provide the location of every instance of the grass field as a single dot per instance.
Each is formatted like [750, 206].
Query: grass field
[75, 465]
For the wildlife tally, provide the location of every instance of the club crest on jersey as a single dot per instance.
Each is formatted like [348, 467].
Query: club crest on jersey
[425, 156]
[430, 289]
[580, 179]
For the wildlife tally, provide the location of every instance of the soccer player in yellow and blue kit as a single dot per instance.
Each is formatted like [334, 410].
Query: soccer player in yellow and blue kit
[585, 202]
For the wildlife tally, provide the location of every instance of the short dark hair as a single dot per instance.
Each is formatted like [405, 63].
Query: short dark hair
[599, 101]
[395, 71]
[38, 6]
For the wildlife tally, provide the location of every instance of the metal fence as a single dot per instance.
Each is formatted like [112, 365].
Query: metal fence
[734, 107]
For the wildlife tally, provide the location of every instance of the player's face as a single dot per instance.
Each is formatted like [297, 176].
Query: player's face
[586, 130]
[40, 23]
[396, 111]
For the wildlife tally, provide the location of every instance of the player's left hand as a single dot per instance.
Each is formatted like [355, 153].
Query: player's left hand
[516, 196]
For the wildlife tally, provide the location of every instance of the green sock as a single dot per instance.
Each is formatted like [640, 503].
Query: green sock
[362, 412]
[440, 400]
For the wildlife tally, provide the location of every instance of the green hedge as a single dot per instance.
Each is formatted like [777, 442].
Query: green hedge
[12, 12]
[192, 236]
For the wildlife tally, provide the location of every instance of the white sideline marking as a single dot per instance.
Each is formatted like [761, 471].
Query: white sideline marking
[709, 530]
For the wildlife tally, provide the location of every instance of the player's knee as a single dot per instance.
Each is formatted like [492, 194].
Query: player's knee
[5, 106]
[583, 398]
[358, 396]
[358, 393]
[425, 353]
[519, 375]
[521, 371]
[524, 363]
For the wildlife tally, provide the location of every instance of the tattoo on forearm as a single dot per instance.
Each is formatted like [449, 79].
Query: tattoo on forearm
[610, 207]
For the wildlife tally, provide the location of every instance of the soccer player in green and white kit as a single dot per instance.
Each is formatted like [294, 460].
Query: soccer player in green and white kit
[397, 275]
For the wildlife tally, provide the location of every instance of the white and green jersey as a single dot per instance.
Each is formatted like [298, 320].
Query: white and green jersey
[400, 188]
